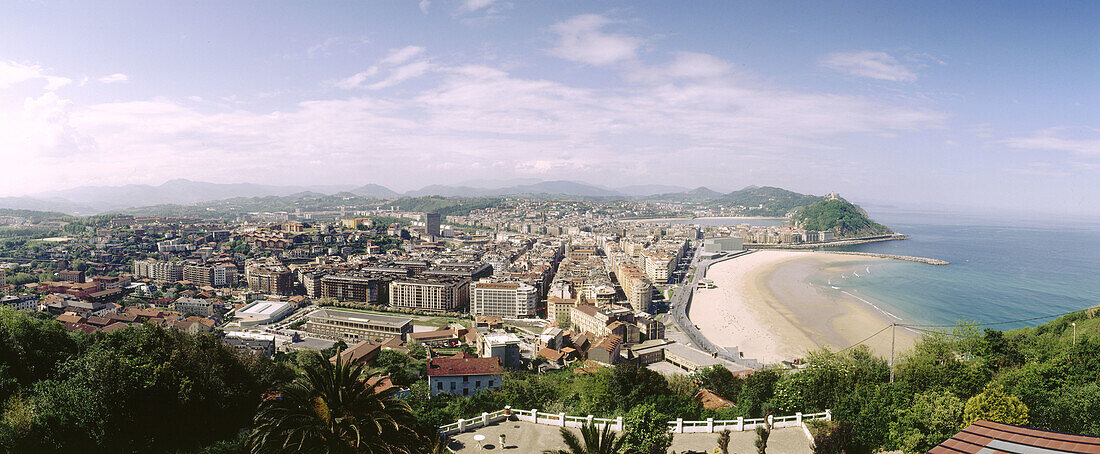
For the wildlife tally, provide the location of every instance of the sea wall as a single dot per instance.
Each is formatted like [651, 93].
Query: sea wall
[847, 242]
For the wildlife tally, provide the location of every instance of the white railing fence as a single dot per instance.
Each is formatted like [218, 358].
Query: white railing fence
[678, 426]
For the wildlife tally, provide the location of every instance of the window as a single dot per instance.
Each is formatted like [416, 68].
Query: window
[490, 383]
[452, 386]
[477, 383]
[465, 379]
[440, 385]
[465, 392]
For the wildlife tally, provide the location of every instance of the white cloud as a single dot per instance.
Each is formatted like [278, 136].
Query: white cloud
[582, 39]
[1079, 141]
[474, 5]
[424, 5]
[402, 55]
[357, 79]
[12, 73]
[402, 74]
[115, 78]
[872, 64]
[464, 117]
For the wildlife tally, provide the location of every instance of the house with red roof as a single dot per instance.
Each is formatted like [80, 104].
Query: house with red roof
[464, 374]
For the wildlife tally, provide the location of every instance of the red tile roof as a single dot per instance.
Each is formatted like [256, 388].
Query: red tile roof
[464, 364]
[985, 436]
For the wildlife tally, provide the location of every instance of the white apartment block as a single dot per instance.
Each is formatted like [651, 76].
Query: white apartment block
[432, 295]
[503, 299]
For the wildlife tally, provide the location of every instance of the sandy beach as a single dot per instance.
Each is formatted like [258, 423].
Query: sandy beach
[775, 305]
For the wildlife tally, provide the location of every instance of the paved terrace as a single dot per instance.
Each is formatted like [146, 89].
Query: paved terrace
[525, 437]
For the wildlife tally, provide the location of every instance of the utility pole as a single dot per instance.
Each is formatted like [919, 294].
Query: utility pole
[893, 331]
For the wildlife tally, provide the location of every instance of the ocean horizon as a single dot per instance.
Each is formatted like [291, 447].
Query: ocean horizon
[1002, 269]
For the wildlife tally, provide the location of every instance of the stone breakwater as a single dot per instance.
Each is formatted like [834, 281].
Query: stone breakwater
[895, 257]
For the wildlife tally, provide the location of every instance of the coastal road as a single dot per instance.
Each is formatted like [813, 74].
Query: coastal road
[681, 301]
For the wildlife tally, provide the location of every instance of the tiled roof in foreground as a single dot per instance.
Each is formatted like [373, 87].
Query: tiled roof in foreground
[987, 437]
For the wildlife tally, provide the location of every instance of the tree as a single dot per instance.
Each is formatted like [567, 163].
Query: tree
[329, 409]
[932, 418]
[724, 441]
[994, 404]
[592, 441]
[401, 368]
[417, 350]
[648, 429]
[762, 434]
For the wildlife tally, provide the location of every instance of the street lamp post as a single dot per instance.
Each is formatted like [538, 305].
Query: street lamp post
[1074, 332]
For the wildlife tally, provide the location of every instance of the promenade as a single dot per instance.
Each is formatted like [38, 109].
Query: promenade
[525, 437]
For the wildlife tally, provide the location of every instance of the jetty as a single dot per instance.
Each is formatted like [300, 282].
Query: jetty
[909, 258]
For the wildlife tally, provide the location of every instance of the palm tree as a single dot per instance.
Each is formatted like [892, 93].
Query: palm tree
[596, 441]
[329, 409]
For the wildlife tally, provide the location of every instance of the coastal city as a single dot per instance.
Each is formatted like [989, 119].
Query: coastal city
[494, 226]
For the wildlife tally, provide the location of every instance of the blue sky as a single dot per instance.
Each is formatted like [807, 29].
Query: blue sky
[987, 104]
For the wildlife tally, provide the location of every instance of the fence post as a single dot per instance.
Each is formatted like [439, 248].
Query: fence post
[561, 417]
[507, 412]
[771, 420]
[484, 419]
[710, 425]
[461, 425]
[740, 423]
[619, 423]
[535, 416]
[679, 425]
[590, 419]
[828, 415]
[798, 418]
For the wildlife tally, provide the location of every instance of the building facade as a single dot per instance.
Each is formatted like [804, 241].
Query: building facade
[463, 375]
[503, 299]
[351, 326]
[449, 295]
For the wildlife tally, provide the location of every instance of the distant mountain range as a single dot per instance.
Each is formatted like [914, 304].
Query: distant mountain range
[87, 200]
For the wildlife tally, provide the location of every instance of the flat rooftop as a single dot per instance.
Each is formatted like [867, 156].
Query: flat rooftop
[262, 308]
[361, 317]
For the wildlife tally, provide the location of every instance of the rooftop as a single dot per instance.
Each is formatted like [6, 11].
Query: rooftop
[463, 364]
[361, 317]
[989, 437]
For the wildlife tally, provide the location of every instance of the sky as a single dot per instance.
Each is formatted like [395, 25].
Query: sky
[973, 104]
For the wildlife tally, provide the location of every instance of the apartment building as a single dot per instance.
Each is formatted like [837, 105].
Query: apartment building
[370, 289]
[159, 270]
[451, 294]
[503, 299]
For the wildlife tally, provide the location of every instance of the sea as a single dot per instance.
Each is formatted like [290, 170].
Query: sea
[1002, 269]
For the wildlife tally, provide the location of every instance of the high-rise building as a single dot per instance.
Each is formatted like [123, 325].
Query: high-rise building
[431, 224]
[503, 299]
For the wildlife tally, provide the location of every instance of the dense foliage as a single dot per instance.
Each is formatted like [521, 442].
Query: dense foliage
[147, 389]
[141, 389]
[840, 216]
[766, 200]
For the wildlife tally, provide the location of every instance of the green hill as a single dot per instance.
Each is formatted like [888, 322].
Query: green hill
[842, 217]
[766, 200]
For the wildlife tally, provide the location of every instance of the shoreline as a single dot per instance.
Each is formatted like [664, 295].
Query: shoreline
[772, 218]
[774, 306]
